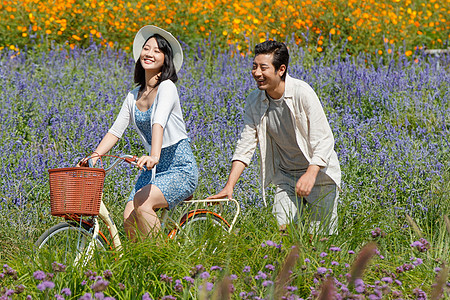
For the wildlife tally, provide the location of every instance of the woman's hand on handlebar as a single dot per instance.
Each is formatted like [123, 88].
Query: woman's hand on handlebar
[147, 161]
[85, 161]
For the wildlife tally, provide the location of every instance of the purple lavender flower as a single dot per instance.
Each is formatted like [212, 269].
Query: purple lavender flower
[398, 282]
[178, 287]
[57, 267]
[418, 262]
[100, 285]
[246, 269]
[323, 254]
[387, 279]
[204, 275]
[261, 275]
[321, 270]
[335, 249]
[19, 289]
[45, 285]
[270, 243]
[87, 296]
[216, 268]
[422, 245]
[189, 279]
[209, 286]
[146, 296]
[167, 279]
[334, 263]
[66, 291]
[39, 275]
[420, 295]
[107, 274]
[270, 267]
[267, 283]
[307, 260]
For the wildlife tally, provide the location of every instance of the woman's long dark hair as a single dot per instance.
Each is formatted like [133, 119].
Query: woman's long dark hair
[168, 69]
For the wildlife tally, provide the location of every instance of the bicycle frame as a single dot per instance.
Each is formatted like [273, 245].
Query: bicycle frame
[166, 217]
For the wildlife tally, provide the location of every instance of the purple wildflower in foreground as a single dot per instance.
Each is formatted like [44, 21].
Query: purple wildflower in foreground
[270, 267]
[166, 279]
[100, 286]
[307, 260]
[351, 252]
[321, 270]
[246, 269]
[323, 254]
[334, 263]
[233, 277]
[107, 274]
[204, 275]
[99, 296]
[261, 275]
[418, 262]
[39, 275]
[57, 267]
[45, 285]
[178, 287]
[59, 297]
[66, 291]
[335, 249]
[267, 283]
[387, 279]
[189, 279]
[209, 286]
[146, 296]
[215, 268]
[422, 245]
[420, 295]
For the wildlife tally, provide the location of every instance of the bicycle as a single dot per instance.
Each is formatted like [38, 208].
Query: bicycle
[76, 194]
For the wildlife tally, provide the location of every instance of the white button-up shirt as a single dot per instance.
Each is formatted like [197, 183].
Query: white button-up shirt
[313, 133]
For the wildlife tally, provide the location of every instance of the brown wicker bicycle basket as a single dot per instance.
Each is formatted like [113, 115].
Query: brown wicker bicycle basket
[76, 190]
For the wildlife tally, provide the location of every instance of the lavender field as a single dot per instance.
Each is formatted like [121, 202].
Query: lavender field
[391, 121]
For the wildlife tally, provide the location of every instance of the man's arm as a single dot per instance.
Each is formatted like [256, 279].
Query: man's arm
[236, 171]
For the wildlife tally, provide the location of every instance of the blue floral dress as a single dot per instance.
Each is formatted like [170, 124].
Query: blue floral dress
[176, 173]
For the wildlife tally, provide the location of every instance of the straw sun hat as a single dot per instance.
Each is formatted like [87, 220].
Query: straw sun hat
[147, 31]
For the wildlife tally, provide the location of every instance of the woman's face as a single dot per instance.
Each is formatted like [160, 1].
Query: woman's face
[152, 58]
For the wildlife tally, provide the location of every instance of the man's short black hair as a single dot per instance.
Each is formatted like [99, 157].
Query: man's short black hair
[279, 51]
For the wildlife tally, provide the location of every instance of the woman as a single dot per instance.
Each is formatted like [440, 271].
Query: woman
[153, 107]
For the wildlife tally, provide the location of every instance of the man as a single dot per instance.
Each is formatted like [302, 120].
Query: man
[285, 117]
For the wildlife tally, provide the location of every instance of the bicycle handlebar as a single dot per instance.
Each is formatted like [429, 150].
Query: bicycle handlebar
[131, 159]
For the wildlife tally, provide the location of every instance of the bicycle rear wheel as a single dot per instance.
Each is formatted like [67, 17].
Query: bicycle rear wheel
[204, 229]
[69, 242]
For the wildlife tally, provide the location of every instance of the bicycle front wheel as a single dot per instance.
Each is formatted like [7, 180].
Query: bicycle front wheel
[204, 229]
[69, 242]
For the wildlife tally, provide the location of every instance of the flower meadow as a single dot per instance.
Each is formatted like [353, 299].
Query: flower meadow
[360, 25]
[390, 118]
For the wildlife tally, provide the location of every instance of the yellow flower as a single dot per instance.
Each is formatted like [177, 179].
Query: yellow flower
[225, 32]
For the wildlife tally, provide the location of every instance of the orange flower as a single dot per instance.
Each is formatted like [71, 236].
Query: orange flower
[319, 49]
[408, 53]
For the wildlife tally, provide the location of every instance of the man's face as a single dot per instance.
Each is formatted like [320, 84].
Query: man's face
[264, 73]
